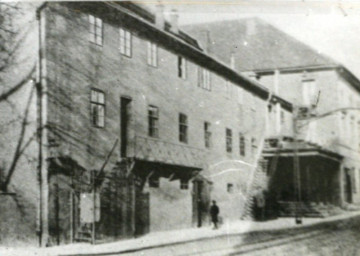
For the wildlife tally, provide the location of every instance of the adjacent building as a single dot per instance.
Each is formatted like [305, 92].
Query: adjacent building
[326, 99]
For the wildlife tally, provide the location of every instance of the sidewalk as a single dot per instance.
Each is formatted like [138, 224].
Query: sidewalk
[165, 238]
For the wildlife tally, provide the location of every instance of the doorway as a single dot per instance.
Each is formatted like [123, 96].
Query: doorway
[125, 105]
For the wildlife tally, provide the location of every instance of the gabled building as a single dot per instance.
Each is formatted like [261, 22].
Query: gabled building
[137, 127]
[325, 95]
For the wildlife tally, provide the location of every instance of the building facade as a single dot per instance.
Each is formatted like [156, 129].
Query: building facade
[137, 126]
[325, 95]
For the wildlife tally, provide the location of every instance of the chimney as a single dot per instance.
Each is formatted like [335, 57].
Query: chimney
[174, 19]
[205, 41]
[159, 16]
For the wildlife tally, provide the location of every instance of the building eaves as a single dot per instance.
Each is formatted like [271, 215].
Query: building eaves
[217, 65]
[174, 43]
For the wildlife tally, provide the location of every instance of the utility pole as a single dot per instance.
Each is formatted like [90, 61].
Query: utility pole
[297, 182]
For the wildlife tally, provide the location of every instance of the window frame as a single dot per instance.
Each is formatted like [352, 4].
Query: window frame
[93, 30]
[152, 54]
[183, 128]
[242, 144]
[125, 42]
[97, 104]
[207, 134]
[204, 78]
[228, 140]
[153, 121]
[182, 67]
[184, 184]
[253, 146]
[230, 188]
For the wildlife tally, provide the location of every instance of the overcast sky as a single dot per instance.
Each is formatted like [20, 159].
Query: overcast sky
[331, 27]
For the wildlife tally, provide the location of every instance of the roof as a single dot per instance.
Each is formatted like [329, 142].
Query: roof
[256, 45]
[141, 11]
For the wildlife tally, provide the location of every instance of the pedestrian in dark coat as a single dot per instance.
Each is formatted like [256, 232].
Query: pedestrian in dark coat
[214, 212]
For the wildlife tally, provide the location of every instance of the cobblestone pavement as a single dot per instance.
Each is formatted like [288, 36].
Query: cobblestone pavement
[338, 238]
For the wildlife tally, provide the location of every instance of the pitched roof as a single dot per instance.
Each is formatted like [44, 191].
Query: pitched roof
[256, 45]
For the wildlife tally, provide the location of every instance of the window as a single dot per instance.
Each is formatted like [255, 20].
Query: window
[154, 182]
[181, 67]
[309, 92]
[184, 184]
[183, 126]
[125, 42]
[207, 134]
[153, 119]
[230, 188]
[97, 106]
[204, 79]
[95, 30]
[358, 135]
[228, 140]
[282, 117]
[242, 144]
[253, 146]
[152, 54]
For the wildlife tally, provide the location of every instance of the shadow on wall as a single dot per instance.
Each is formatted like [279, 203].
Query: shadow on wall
[17, 226]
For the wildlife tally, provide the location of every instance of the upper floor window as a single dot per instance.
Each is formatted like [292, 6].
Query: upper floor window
[183, 127]
[358, 135]
[181, 67]
[253, 146]
[242, 144]
[184, 184]
[230, 188]
[97, 107]
[207, 134]
[153, 120]
[204, 78]
[309, 91]
[282, 117]
[125, 42]
[152, 54]
[228, 140]
[95, 30]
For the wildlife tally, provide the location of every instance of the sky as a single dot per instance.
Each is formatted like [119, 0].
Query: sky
[330, 27]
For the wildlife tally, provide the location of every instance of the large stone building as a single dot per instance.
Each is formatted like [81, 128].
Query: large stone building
[126, 104]
[326, 95]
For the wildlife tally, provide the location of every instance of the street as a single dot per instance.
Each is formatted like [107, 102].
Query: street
[339, 238]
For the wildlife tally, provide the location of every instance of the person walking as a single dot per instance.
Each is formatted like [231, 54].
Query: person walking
[214, 212]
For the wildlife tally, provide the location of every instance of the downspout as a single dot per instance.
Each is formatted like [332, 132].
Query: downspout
[42, 133]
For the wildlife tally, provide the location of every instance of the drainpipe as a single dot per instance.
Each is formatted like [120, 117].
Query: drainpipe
[42, 133]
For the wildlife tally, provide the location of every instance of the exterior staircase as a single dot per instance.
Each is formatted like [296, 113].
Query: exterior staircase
[312, 210]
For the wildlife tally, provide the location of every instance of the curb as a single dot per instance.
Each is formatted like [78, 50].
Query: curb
[221, 235]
